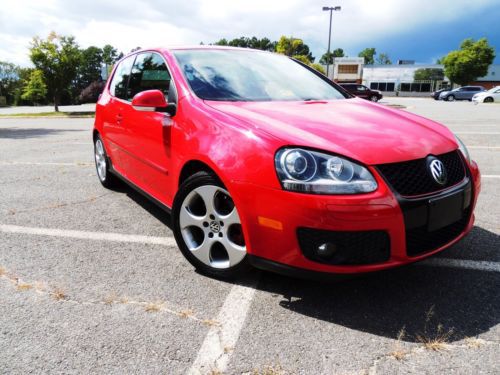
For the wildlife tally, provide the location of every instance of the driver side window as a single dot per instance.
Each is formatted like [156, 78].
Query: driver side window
[148, 73]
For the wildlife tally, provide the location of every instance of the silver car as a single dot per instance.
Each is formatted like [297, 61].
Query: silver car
[462, 93]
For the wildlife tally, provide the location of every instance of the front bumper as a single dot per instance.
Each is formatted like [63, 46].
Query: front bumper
[271, 219]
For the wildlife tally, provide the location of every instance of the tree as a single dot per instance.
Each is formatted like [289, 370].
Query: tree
[89, 69]
[294, 47]
[35, 89]
[109, 54]
[469, 62]
[58, 58]
[318, 67]
[383, 59]
[264, 44]
[9, 80]
[368, 54]
[328, 57]
[428, 74]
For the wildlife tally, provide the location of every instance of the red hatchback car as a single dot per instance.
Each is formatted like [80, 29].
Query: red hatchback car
[263, 161]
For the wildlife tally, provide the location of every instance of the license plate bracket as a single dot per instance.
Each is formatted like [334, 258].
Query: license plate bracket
[446, 210]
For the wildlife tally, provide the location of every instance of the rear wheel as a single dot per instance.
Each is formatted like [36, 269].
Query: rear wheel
[489, 99]
[451, 98]
[207, 227]
[102, 164]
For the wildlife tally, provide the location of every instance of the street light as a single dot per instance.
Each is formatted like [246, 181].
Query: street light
[331, 10]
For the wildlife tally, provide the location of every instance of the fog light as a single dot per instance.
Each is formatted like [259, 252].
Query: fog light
[326, 250]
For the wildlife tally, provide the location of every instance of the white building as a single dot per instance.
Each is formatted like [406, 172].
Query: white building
[346, 69]
[391, 78]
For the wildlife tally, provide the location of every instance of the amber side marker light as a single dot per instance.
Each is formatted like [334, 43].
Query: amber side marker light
[270, 223]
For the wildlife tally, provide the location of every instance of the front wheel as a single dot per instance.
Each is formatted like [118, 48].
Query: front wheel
[374, 98]
[207, 227]
[451, 98]
[488, 100]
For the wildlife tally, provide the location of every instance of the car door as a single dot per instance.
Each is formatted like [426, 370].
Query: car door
[149, 132]
[114, 132]
[362, 91]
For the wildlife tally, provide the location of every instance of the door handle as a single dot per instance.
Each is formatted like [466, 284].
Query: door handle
[119, 118]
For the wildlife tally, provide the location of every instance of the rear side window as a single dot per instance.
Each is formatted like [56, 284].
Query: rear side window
[149, 73]
[118, 86]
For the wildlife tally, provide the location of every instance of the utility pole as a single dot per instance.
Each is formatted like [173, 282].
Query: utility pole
[331, 10]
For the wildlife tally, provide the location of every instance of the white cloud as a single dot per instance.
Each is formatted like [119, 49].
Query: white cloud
[127, 24]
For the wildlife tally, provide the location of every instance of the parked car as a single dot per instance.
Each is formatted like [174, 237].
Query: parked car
[490, 96]
[362, 91]
[461, 93]
[435, 94]
[261, 160]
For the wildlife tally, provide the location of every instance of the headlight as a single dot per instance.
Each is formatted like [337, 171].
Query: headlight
[315, 172]
[463, 149]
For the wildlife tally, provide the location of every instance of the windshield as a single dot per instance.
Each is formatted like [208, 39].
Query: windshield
[233, 75]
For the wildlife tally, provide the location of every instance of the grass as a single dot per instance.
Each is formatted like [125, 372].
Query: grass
[154, 306]
[435, 341]
[50, 114]
[24, 287]
[399, 353]
[58, 294]
[186, 313]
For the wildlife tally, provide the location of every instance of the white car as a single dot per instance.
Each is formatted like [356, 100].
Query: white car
[490, 96]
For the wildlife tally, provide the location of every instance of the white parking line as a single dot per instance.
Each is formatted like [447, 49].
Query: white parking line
[484, 147]
[99, 236]
[42, 163]
[479, 265]
[478, 133]
[490, 176]
[220, 341]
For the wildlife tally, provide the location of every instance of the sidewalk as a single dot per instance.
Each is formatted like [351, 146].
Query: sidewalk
[41, 109]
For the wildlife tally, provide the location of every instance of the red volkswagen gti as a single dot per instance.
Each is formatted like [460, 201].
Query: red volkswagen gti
[263, 161]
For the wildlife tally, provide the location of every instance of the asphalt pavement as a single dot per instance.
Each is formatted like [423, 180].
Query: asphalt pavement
[91, 280]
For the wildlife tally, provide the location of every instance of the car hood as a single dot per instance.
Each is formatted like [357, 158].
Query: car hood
[365, 131]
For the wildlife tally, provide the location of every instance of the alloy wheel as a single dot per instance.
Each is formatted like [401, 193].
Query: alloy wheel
[211, 227]
[100, 160]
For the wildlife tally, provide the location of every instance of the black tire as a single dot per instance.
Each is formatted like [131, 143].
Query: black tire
[201, 180]
[106, 178]
[489, 99]
[374, 98]
[450, 98]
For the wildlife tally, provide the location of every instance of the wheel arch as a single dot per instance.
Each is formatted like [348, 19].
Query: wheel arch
[193, 166]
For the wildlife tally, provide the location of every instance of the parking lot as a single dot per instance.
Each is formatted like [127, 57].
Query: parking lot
[91, 279]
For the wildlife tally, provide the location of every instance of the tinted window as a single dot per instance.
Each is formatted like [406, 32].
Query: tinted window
[118, 86]
[361, 88]
[251, 76]
[148, 73]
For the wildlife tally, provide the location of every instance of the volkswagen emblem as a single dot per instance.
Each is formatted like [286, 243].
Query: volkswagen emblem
[214, 227]
[438, 171]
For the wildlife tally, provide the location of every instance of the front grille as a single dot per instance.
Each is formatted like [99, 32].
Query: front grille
[351, 248]
[420, 241]
[412, 177]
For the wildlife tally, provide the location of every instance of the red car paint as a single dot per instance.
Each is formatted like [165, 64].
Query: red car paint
[239, 140]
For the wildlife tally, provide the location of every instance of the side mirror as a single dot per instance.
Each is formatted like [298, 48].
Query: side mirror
[153, 101]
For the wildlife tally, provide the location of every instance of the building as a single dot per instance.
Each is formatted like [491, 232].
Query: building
[346, 69]
[398, 79]
[491, 79]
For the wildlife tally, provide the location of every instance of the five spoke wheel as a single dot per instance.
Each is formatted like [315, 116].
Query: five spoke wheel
[211, 228]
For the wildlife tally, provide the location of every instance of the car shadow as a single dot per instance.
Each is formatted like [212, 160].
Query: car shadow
[423, 301]
[25, 133]
[153, 209]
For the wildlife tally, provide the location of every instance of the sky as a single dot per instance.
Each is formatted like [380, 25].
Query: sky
[421, 30]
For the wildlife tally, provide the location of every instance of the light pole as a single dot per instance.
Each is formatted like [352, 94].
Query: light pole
[330, 9]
